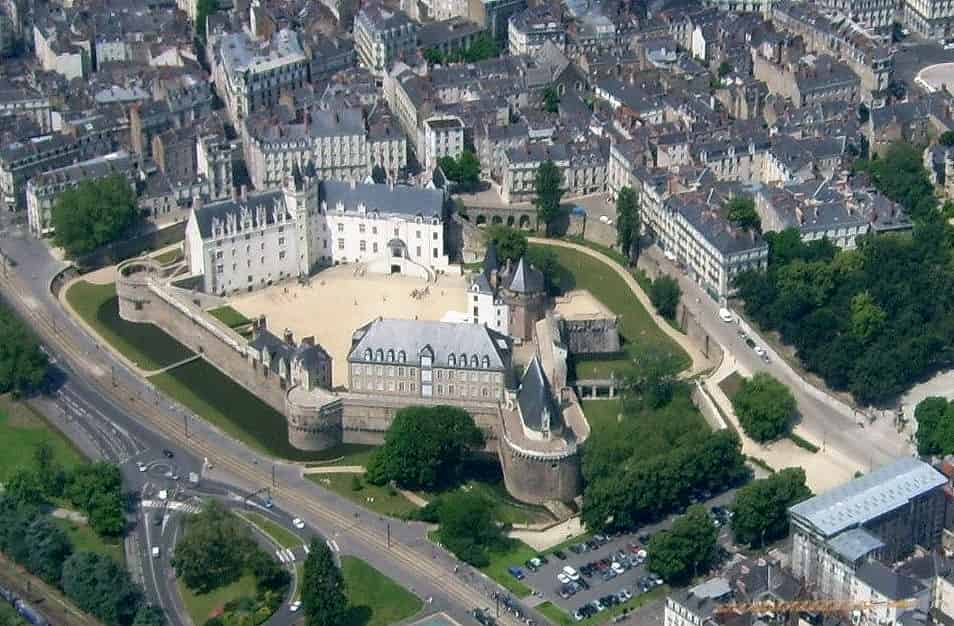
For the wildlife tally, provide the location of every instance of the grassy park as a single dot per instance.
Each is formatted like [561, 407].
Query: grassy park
[85, 539]
[203, 606]
[380, 499]
[146, 345]
[23, 430]
[373, 598]
[637, 328]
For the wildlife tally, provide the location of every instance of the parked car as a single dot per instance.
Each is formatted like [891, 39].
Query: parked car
[576, 549]
[167, 453]
[559, 554]
[571, 573]
[543, 560]
[564, 592]
[726, 316]
[297, 523]
[619, 569]
[294, 606]
[563, 578]
[516, 572]
[750, 342]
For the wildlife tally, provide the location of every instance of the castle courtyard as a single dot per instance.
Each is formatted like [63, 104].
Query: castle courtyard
[337, 301]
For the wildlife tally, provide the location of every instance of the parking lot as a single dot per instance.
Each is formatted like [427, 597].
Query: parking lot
[594, 559]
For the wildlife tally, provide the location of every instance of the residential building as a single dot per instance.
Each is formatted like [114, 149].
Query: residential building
[21, 160]
[804, 79]
[443, 137]
[382, 37]
[448, 35]
[881, 516]
[60, 50]
[251, 75]
[214, 162]
[530, 29]
[877, 15]
[505, 297]
[43, 190]
[933, 19]
[886, 589]
[459, 364]
[263, 238]
[24, 101]
[494, 15]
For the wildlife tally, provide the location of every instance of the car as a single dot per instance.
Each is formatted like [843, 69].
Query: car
[750, 342]
[759, 350]
[166, 452]
[644, 538]
[624, 594]
[157, 520]
[618, 568]
[543, 560]
[268, 503]
[949, 46]
[574, 587]
[576, 549]
[174, 477]
[604, 219]
[583, 584]
[608, 575]
[297, 523]
[564, 592]
[599, 606]
[516, 572]
[571, 573]
[155, 552]
[726, 316]
[578, 616]
[563, 578]
[294, 606]
[560, 554]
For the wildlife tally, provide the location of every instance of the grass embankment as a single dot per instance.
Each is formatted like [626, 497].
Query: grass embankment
[229, 316]
[146, 345]
[278, 533]
[637, 328]
[201, 607]
[373, 598]
[85, 539]
[383, 500]
[558, 616]
[22, 431]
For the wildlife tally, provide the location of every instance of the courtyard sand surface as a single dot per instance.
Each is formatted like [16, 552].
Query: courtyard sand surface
[336, 302]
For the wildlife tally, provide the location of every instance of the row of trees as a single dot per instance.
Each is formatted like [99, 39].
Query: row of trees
[216, 549]
[23, 366]
[96, 583]
[483, 47]
[95, 489]
[664, 293]
[467, 526]
[323, 588]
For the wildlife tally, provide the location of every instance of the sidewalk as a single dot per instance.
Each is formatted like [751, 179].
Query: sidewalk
[699, 361]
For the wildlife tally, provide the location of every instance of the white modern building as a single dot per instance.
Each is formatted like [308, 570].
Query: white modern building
[260, 239]
[383, 36]
[443, 137]
[529, 30]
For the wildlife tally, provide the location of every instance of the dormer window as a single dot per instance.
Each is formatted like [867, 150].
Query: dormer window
[391, 356]
[452, 360]
[463, 360]
[368, 356]
[474, 362]
[379, 355]
[486, 363]
[402, 357]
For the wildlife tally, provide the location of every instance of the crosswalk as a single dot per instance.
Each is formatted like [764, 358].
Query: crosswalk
[285, 555]
[183, 507]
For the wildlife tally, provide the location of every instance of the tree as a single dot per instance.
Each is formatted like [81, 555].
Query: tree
[149, 615]
[654, 377]
[15, 520]
[664, 293]
[686, 550]
[760, 510]
[97, 489]
[741, 212]
[213, 550]
[95, 213]
[100, 587]
[935, 419]
[765, 407]
[48, 470]
[551, 100]
[467, 527]
[900, 175]
[203, 9]
[25, 488]
[545, 259]
[549, 189]
[946, 139]
[424, 447]
[511, 243]
[465, 170]
[322, 587]
[725, 68]
[627, 223]
[23, 365]
[867, 318]
[481, 48]
[48, 547]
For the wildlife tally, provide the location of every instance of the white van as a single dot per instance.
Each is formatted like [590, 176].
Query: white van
[571, 573]
[155, 552]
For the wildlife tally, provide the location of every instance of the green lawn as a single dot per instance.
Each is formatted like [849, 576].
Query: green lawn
[229, 316]
[372, 497]
[555, 614]
[373, 598]
[201, 607]
[348, 454]
[169, 256]
[84, 538]
[22, 431]
[507, 510]
[147, 345]
[223, 402]
[9, 616]
[518, 553]
[637, 328]
[279, 534]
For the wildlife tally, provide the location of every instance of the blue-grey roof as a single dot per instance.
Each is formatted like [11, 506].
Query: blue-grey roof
[888, 583]
[449, 343]
[526, 278]
[272, 201]
[855, 544]
[535, 398]
[382, 198]
[866, 498]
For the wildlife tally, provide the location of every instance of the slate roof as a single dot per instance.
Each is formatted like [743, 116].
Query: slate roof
[855, 544]
[272, 201]
[888, 583]
[864, 499]
[535, 397]
[525, 278]
[443, 338]
[399, 199]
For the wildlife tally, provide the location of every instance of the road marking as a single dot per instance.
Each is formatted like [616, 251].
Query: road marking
[332, 544]
[281, 555]
[306, 548]
[291, 555]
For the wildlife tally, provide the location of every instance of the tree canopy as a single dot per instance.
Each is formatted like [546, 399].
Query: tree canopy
[97, 489]
[203, 9]
[102, 588]
[551, 100]
[482, 48]
[548, 185]
[467, 527]
[464, 170]
[511, 243]
[322, 587]
[424, 447]
[760, 510]
[93, 214]
[900, 175]
[765, 407]
[213, 549]
[627, 222]
[741, 212]
[946, 139]
[23, 366]
[686, 550]
[871, 320]
[664, 293]
[935, 418]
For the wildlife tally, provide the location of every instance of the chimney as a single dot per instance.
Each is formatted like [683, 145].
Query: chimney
[308, 341]
[243, 192]
[353, 184]
[493, 279]
[288, 337]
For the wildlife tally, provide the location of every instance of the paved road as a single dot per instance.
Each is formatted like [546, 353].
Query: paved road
[400, 550]
[823, 419]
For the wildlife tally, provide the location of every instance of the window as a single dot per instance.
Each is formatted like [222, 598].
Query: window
[361, 228]
[395, 232]
[450, 390]
[219, 268]
[418, 234]
[435, 253]
[218, 254]
[419, 251]
[281, 255]
[340, 227]
[281, 242]
[435, 235]
[362, 245]
[374, 247]
[401, 371]
[341, 244]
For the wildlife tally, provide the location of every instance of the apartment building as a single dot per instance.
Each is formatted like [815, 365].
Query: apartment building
[443, 137]
[530, 29]
[26, 102]
[805, 79]
[60, 50]
[933, 19]
[881, 516]
[21, 160]
[453, 363]
[251, 75]
[258, 239]
[383, 36]
[494, 15]
[43, 190]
